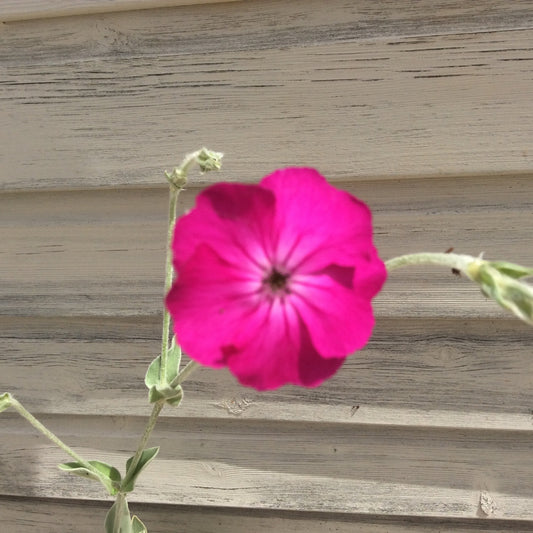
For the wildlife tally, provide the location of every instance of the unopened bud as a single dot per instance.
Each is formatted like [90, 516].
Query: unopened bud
[209, 160]
[206, 159]
[500, 281]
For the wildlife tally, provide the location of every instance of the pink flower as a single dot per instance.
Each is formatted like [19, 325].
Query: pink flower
[275, 280]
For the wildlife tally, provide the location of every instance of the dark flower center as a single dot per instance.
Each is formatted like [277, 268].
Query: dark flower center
[277, 281]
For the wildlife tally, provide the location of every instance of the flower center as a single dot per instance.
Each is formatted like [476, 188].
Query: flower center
[276, 281]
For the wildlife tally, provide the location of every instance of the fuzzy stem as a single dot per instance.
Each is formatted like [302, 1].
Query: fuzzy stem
[24, 413]
[169, 275]
[158, 407]
[460, 262]
[207, 160]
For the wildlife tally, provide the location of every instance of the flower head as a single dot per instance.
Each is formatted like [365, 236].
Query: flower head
[275, 280]
[501, 281]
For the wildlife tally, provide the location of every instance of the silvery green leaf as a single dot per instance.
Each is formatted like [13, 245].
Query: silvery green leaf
[511, 269]
[108, 475]
[146, 457]
[152, 374]
[137, 526]
[118, 518]
[174, 401]
[159, 386]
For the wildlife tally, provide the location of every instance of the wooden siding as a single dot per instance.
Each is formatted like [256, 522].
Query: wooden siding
[423, 109]
[359, 89]
[12, 10]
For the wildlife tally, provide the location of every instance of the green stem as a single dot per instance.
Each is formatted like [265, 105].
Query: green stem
[188, 161]
[460, 262]
[178, 179]
[51, 436]
[169, 275]
[158, 407]
[190, 367]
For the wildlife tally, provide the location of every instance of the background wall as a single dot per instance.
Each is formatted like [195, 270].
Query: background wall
[421, 108]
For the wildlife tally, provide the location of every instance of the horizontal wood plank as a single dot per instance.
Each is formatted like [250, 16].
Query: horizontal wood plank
[256, 25]
[90, 253]
[361, 90]
[458, 374]
[13, 10]
[425, 472]
[20, 516]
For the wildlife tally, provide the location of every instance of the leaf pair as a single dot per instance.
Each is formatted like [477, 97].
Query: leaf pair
[160, 386]
[108, 475]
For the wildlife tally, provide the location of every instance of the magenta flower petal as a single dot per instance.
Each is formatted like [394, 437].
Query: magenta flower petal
[324, 306]
[209, 303]
[275, 280]
[279, 353]
[318, 224]
[234, 219]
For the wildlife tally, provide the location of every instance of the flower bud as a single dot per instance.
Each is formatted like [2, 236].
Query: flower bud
[209, 160]
[500, 281]
[206, 159]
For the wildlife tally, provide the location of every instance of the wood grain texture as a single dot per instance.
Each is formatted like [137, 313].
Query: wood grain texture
[461, 374]
[20, 516]
[12, 10]
[291, 466]
[90, 253]
[420, 108]
[362, 89]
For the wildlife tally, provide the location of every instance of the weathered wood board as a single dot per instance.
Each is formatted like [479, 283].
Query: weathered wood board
[22, 516]
[292, 466]
[448, 373]
[102, 252]
[13, 10]
[364, 89]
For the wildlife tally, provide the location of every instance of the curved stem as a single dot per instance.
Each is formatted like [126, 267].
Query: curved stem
[460, 262]
[22, 411]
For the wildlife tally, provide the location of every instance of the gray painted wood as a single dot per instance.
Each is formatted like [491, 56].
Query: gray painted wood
[13, 10]
[363, 89]
[453, 373]
[90, 253]
[83, 517]
[290, 466]
[420, 109]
